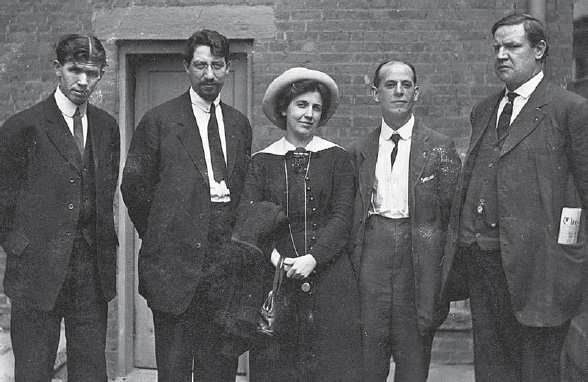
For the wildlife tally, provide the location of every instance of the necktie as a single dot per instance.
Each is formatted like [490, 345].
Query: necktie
[78, 130]
[216, 150]
[395, 138]
[504, 120]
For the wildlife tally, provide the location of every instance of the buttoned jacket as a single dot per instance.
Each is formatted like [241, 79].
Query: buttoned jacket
[40, 198]
[434, 168]
[166, 189]
[542, 167]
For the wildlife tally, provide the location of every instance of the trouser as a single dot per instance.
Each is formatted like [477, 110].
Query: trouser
[388, 311]
[191, 341]
[80, 303]
[505, 350]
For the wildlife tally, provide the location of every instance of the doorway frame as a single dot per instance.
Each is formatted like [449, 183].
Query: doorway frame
[127, 49]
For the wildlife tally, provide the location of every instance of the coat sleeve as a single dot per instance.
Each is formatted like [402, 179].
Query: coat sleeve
[141, 175]
[578, 147]
[16, 141]
[449, 172]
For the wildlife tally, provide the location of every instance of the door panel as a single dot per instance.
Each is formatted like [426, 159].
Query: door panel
[159, 78]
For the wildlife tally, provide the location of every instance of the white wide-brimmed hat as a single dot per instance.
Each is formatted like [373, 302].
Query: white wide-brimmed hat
[270, 99]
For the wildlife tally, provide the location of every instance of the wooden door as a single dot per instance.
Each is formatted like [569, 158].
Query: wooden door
[159, 78]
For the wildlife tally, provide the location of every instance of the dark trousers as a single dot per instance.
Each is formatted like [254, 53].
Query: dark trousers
[505, 350]
[388, 312]
[35, 333]
[190, 341]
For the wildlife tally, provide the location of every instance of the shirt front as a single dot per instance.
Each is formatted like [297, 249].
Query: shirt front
[390, 188]
[68, 109]
[219, 192]
[524, 93]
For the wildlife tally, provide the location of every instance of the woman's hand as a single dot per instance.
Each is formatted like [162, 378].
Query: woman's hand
[299, 267]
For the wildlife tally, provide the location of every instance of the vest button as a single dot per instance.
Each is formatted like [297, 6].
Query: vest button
[70, 206]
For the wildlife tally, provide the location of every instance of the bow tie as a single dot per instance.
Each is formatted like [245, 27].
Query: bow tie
[300, 158]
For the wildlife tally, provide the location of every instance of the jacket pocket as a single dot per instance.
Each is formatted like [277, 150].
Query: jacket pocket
[15, 243]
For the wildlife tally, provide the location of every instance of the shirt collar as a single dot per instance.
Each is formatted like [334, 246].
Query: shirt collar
[67, 107]
[200, 102]
[526, 89]
[405, 131]
[282, 146]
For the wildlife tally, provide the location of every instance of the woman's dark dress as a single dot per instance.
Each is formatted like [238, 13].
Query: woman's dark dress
[321, 338]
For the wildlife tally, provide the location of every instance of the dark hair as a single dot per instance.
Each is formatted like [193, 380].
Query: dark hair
[81, 48]
[218, 44]
[534, 29]
[377, 78]
[301, 87]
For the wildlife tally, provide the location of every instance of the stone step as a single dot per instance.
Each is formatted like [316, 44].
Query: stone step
[453, 347]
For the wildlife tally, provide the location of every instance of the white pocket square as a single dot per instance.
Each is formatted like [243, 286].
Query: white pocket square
[426, 179]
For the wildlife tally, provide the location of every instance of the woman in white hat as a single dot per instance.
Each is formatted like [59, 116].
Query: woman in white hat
[319, 337]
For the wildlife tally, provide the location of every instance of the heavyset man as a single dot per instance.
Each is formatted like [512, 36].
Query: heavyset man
[526, 162]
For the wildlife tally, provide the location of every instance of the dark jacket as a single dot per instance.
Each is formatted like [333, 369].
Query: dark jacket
[165, 187]
[542, 168]
[40, 199]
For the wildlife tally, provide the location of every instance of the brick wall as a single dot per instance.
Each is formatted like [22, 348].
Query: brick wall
[448, 41]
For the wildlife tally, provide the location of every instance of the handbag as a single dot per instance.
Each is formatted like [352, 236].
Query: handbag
[269, 310]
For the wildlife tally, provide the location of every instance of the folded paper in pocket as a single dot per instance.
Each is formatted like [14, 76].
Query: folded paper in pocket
[569, 225]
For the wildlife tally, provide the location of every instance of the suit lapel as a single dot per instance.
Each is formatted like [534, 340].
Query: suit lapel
[488, 110]
[58, 132]
[419, 154]
[528, 119]
[230, 138]
[189, 135]
[94, 133]
[367, 167]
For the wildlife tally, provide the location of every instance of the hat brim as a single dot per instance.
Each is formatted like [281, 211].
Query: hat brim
[278, 85]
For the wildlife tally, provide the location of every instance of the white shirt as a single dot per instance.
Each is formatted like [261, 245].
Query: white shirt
[219, 192]
[390, 189]
[524, 91]
[68, 109]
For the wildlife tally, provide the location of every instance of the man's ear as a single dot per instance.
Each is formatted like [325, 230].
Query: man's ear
[57, 68]
[540, 50]
[374, 91]
[416, 93]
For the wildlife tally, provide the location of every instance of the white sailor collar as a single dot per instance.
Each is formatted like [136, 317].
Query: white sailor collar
[282, 146]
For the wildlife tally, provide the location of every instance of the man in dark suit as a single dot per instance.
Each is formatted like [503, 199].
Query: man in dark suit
[407, 174]
[182, 183]
[526, 162]
[59, 165]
